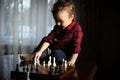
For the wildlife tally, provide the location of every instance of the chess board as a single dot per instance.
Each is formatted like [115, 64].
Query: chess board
[41, 72]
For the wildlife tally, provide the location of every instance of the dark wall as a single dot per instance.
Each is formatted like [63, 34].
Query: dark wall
[108, 50]
[100, 22]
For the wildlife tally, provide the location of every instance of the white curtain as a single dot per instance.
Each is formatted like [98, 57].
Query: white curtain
[23, 23]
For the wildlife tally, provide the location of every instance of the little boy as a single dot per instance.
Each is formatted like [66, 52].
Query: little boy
[65, 39]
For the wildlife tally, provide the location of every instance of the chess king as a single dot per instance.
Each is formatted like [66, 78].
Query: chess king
[64, 41]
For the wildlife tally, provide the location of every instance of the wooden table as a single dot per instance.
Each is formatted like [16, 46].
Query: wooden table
[12, 69]
[85, 70]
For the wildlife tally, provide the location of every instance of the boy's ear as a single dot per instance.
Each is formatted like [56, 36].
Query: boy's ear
[72, 16]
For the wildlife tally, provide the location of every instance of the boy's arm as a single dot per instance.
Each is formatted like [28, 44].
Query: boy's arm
[44, 46]
[73, 59]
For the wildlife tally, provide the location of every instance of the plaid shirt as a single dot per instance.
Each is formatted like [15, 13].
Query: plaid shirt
[68, 39]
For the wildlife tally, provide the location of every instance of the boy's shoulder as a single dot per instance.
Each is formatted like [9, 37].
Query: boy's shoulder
[76, 25]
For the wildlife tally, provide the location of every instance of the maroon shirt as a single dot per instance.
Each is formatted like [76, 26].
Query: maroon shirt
[68, 39]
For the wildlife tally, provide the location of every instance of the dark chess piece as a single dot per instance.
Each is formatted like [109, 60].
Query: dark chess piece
[17, 68]
[31, 68]
[23, 68]
[37, 68]
[57, 70]
[27, 68]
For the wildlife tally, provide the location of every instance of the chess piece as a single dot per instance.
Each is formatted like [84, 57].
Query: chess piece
[28, 75]
[63, 61]
[27, 68]
[31, 68]
[54, 63]
[57, 70]
[65, 66]
[43, 63]
[52, 70]
[23, 68]
[48, 65]
[37, 68]
[50, 58]
[17, 68]
[36, 62]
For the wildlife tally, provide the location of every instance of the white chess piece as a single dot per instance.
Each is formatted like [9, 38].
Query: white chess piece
[63, 61]
[38, 62]
[50, 58]
[54, 63]
[28, 76]
[50, 62]
[65, 65]
[35, 62]
[43, 63]
[48, 65]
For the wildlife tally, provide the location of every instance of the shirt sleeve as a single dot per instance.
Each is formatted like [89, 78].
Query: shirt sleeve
[50, 37]
[78, 34]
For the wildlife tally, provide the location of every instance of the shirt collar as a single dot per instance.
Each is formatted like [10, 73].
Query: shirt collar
[71, 25]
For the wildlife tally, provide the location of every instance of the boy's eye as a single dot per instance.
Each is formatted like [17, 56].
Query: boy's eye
[59, 21]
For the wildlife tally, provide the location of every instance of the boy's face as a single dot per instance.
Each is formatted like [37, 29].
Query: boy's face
[63, 19]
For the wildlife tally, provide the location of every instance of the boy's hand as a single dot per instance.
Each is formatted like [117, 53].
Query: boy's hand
[71, 63]
[37, 56]
[73, 59]
[26, 57]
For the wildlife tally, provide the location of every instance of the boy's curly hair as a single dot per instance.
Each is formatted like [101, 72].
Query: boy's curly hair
[64, 5]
